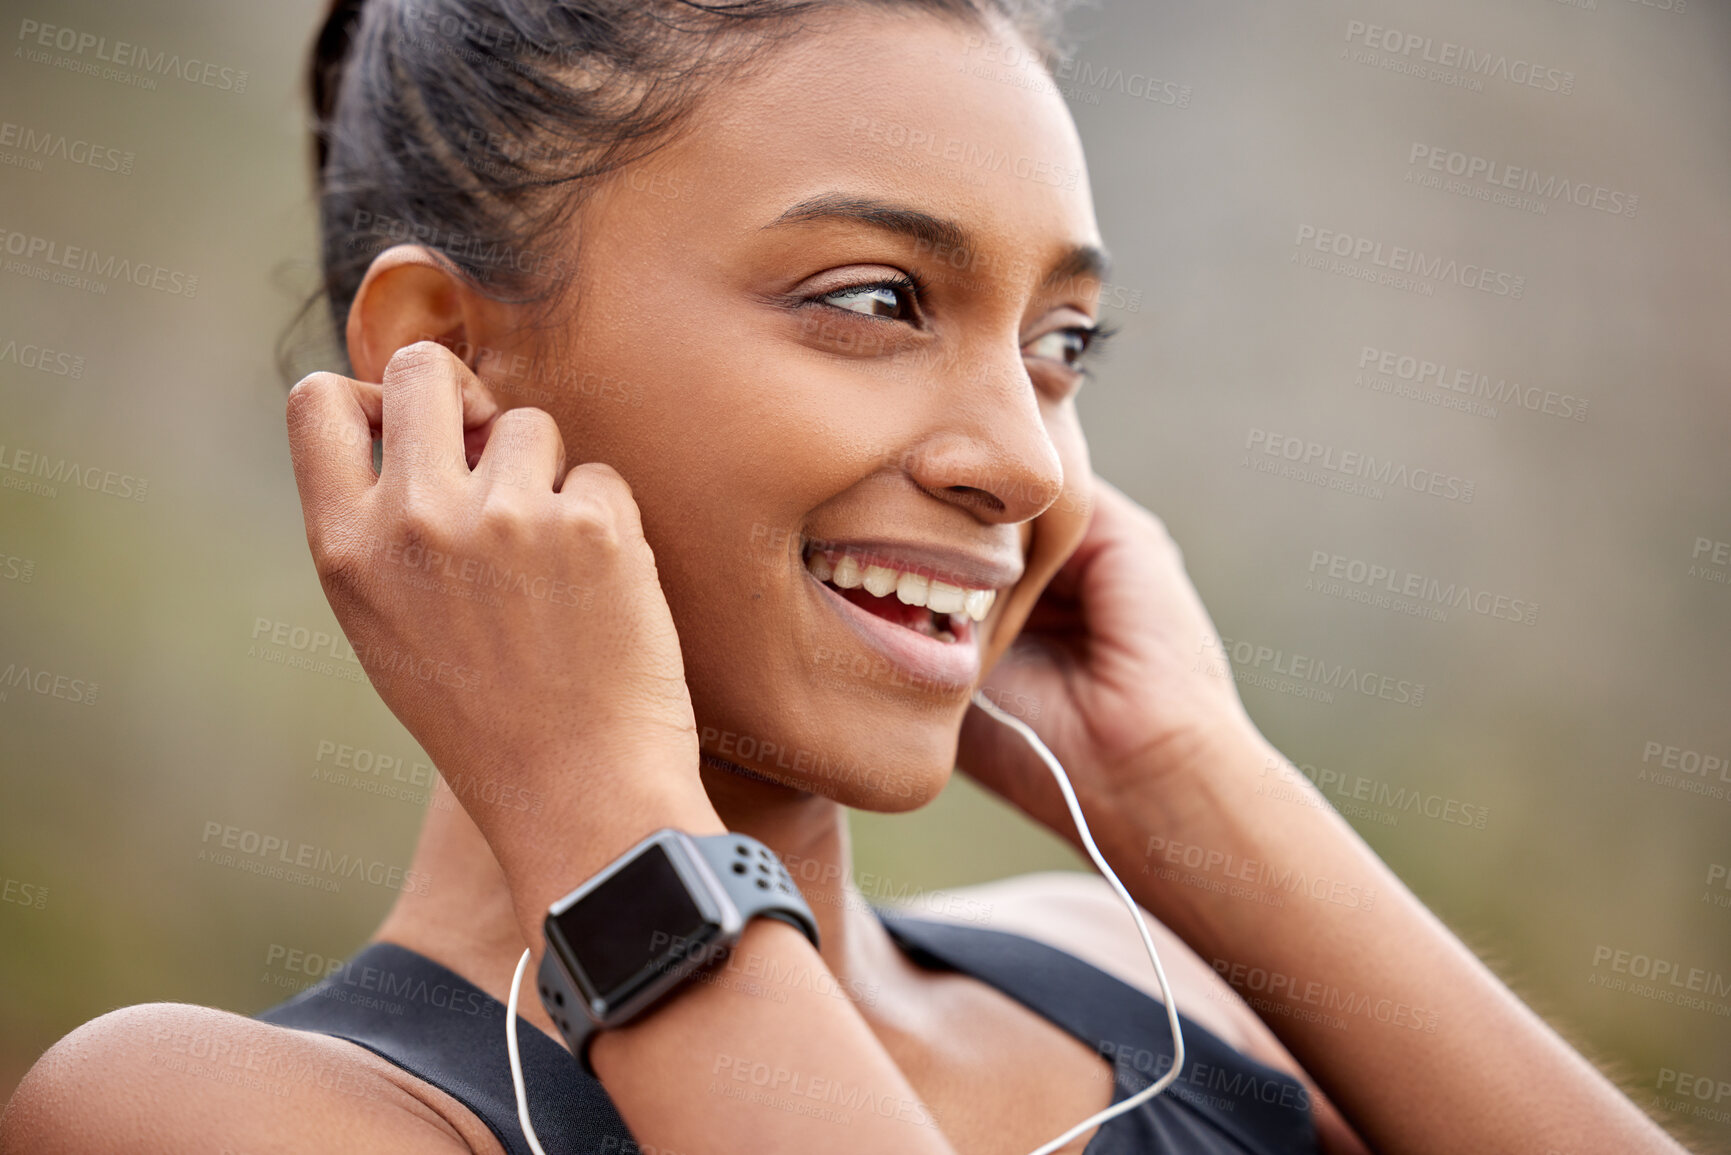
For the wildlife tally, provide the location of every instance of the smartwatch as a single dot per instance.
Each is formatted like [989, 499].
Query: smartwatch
[659, 912]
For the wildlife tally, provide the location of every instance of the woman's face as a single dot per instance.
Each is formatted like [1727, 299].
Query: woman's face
[835, 325]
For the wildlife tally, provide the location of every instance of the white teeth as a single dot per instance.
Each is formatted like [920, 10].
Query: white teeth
[847, 574]
[911, 589]
[879, 580]
[944, 598]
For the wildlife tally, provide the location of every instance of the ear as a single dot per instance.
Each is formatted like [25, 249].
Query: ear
[410, 294]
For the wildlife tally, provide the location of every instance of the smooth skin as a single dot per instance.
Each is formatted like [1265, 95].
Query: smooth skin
[728, 376]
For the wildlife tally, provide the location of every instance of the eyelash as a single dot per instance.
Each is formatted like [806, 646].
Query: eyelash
[906, 284]
[1094, 338]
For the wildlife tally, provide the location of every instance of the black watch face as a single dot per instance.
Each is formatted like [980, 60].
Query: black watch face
[638, 923]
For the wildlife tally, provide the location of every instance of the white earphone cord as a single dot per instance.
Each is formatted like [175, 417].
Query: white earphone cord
[1094, 1120]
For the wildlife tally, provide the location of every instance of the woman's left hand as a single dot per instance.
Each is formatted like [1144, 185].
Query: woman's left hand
[1119, 671]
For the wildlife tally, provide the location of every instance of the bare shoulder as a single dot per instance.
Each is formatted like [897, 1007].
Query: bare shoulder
[171, 1077]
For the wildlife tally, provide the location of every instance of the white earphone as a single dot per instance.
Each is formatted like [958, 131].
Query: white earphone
[1094, 1120]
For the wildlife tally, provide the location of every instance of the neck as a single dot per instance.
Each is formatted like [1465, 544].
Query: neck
[466, 921]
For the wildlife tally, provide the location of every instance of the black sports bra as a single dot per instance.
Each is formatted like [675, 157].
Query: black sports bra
[440, 1027]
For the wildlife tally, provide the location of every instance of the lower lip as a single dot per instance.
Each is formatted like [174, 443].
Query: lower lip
[925, 662]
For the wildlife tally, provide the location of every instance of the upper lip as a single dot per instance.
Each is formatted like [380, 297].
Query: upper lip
[995, 571]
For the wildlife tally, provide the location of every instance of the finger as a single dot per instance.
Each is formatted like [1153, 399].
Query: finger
[524, 450]
[430, 398]
[330, 423]
[599, 482]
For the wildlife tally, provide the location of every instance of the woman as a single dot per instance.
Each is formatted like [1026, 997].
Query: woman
[688, 334]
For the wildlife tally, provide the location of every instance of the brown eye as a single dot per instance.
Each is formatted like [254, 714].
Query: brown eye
[1065, 346]
[892, 302]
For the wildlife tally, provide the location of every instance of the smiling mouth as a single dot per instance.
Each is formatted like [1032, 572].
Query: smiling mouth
[932, 608]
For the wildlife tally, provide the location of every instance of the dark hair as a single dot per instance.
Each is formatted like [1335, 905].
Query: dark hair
[475, 127]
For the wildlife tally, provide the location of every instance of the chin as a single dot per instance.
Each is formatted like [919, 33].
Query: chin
[859, 769]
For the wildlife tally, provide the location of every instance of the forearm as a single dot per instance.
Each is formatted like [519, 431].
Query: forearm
[720, 1067]
[724, 1069]
[1422, 1048]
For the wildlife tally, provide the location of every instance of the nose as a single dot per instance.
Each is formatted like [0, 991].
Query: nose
[987, 449]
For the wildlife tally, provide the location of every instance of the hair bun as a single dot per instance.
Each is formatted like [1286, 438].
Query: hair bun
[325, 74]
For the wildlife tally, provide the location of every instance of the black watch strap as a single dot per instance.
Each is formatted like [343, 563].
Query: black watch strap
[751, 879]
[756, 881]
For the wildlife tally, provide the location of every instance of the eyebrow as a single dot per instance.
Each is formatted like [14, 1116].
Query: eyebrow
[1082, 261]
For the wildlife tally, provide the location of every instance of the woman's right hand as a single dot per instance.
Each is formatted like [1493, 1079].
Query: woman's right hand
[509, 615]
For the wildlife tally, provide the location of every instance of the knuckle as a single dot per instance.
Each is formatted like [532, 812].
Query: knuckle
[593, 521]
[504, 521]
[422, 518]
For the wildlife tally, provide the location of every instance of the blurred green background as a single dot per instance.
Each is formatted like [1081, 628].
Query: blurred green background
[1253, 121]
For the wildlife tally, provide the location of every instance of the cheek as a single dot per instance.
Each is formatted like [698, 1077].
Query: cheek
[1050, 539]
